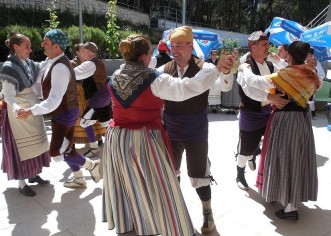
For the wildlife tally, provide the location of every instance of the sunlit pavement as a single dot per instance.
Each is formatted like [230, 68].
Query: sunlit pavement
[56, 210]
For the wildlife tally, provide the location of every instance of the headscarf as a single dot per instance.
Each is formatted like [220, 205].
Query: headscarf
[58, 37]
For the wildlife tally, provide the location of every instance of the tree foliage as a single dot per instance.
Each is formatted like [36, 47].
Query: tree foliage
[113, 38]
[242, 16]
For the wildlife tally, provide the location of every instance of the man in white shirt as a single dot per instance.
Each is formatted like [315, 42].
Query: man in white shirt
[60, 100]
[187, 123]
[93, 74]
[255, 108]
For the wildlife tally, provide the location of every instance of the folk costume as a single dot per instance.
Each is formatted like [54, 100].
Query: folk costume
[141, 191]
[60, 101]
[254, 114]
[80, 135]
[24, 142]
[287, 170]
[93, 76]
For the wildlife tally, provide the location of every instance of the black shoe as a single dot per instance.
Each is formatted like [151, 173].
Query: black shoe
[292, 215]
[27, 191]
[241, 181]
[38, 180]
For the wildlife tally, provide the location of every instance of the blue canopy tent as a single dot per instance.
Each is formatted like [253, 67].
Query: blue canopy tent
[203, 42]
[320, 38]
[283, 31]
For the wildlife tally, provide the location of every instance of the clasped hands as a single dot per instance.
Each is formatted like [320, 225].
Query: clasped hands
[23, 113]
[225, 63]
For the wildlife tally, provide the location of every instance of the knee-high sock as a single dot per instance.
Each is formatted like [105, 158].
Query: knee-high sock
[242, 160]
[90, 133]
[76, 162]
[311, 105]
[204, 193]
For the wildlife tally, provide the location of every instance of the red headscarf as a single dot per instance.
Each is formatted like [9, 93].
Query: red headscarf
[162, 46]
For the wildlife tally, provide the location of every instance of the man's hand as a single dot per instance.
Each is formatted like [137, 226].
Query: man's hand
[277, 100]
[225, 63]
[311, 64]
[23, 113]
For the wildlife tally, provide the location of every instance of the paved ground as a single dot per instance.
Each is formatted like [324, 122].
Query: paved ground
[56, 210]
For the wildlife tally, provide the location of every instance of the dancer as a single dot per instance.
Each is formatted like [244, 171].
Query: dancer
[24, 143]
[187, 122]
[288, 170]
[141, 191]
[60, 101]
[93, 74]
[80, 135]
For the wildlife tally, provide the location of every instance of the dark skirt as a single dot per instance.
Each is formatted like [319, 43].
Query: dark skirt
[11, 163]
[290, 170]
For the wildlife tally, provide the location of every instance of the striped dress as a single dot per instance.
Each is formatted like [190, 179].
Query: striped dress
[290, 170]
[141, 191]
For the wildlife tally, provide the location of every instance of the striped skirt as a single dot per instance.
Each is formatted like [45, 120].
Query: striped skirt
[141, 191]
[290, 170]
[11, 162]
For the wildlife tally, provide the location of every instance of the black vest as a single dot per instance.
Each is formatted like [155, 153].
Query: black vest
[190, 106]
[247, 102]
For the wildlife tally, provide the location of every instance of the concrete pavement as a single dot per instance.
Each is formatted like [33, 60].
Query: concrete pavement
[59, 211]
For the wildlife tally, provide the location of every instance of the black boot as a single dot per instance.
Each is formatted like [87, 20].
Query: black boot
[241, 181]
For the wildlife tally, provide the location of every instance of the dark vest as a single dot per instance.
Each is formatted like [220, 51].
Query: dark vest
[97, 81]
[69, 99]
[190, 106]
[162, 59]
[247, 102]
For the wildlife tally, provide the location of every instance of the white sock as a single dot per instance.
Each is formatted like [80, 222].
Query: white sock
[88, 164]
[21, 183]
[242, 160]
[94, 145]
[290, 208]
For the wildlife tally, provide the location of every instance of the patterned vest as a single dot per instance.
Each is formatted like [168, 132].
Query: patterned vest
[69, 99]
[190, 106]
[249, 103]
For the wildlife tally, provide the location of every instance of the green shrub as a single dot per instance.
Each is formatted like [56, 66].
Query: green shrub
[33, 33]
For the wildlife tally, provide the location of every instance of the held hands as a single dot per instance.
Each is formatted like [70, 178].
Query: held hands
[23, 113]
[225, 63]
[278, 100]
[311, 63]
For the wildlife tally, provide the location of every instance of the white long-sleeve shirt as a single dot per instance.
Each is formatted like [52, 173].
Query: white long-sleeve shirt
[249, 90]
[60, 77]
[223, 82]
[85, 70]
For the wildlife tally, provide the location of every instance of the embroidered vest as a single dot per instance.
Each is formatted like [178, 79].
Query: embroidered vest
[69, 99]
[247, 102]
[190, 106]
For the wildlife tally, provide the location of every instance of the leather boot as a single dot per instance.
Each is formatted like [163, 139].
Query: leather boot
[241, 181]
[208, 220]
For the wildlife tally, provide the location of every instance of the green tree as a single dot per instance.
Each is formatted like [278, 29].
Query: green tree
[113, 38]
[53, 19]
